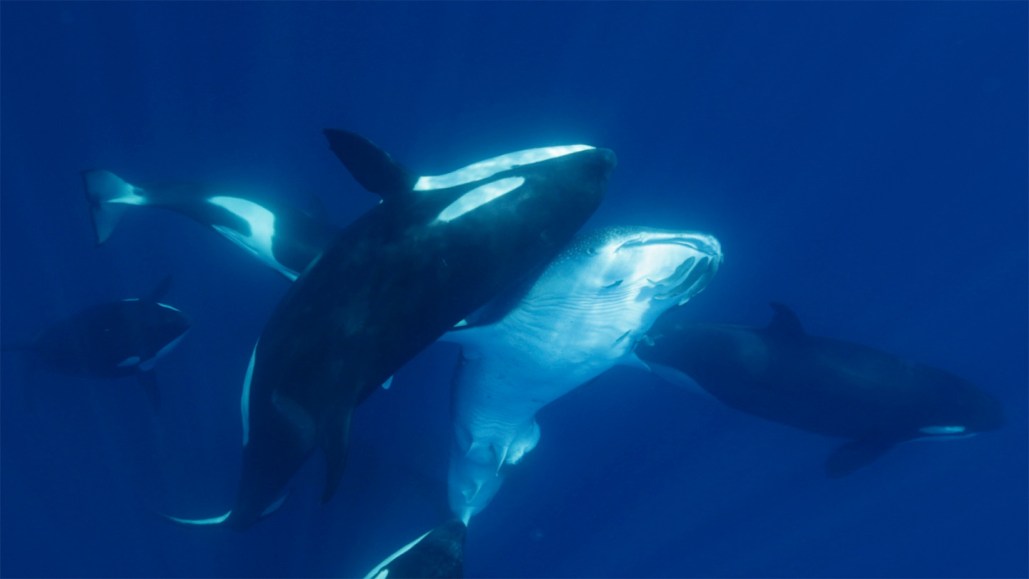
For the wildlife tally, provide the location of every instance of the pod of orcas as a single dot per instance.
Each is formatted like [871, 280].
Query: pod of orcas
[488, 257]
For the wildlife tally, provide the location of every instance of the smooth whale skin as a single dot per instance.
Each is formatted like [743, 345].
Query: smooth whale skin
[822, 385]
[282, 237]
[582, 316]
[113, 340]
[436, 554]
[391, 283]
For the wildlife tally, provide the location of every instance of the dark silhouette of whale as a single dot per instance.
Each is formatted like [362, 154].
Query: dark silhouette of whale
[112, 340]
[392, 282]
[821, 385]
[281, 236]
[438, 554]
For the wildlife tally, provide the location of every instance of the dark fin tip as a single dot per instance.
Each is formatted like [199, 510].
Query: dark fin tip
[161, 289]
[784, 321]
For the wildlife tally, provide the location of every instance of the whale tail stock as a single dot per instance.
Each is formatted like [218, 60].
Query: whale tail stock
[108, 196]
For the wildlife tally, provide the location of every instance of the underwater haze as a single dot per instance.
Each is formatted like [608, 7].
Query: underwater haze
[864, 163]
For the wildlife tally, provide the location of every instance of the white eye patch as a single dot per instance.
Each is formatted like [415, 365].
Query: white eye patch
[478, 197]
[489, 167]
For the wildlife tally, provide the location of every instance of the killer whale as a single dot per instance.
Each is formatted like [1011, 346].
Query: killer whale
[282, 237]
[580, 317]
[392, 282]
[438, 553]
[112, 340]
[823, 385]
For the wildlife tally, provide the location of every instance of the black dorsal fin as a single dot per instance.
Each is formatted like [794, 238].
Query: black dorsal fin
[372, 167]
[784, 321]
[161, 290]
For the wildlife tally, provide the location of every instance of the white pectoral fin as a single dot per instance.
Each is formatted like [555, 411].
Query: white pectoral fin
[524, 444]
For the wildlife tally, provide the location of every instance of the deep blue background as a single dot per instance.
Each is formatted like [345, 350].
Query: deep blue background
[862, 162]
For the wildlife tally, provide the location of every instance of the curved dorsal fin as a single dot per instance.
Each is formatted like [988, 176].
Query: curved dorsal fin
[161, 290]
[784, 321]
[372, 167]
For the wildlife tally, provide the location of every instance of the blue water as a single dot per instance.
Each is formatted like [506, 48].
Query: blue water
[864, 163]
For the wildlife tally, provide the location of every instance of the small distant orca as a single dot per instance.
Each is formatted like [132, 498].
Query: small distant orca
[436, 249]
[113, 340]
[284, 238]
[821, 385]
[582, 316]
[438, 554]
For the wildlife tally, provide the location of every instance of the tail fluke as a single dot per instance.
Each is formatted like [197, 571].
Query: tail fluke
[108, 196]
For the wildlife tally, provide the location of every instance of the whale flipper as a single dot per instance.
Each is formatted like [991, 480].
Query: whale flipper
[436, 554]
[372, 167]
[854, 455]
[108, 196]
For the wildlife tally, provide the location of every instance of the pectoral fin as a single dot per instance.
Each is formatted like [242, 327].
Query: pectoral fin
[854, 455]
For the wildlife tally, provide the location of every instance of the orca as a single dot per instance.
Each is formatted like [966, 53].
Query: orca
[436, 554]
[580, 317]
[781, 373]
[392, 282]
[112, 340]
[282, 237]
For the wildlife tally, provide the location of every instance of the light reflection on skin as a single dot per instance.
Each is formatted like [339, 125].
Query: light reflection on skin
[489, 167]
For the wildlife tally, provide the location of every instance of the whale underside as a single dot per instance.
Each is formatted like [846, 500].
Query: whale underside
[581, 316]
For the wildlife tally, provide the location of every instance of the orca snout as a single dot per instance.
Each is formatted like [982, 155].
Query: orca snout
[607, 160]
[596, 163]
